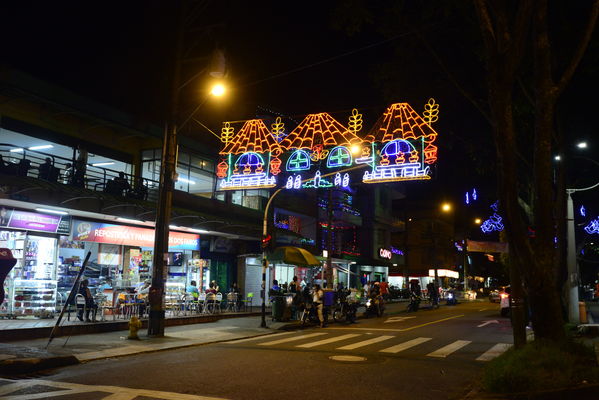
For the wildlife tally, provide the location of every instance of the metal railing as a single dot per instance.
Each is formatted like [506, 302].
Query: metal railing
[62, 170]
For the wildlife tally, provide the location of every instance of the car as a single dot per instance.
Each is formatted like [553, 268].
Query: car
[494, 296]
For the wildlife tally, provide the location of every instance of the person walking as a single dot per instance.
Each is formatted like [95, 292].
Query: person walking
[317, 299]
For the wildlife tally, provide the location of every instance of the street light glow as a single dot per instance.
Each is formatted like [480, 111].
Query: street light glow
[446, 207]
[355, 149]
[477, 221]
[581, 145]
[557, 158]
[218, 90]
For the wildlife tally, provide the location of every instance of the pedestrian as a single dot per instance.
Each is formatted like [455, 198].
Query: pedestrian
[317, 299]
[44, 169]
[384, 286]
[293, 285]
[90, 304]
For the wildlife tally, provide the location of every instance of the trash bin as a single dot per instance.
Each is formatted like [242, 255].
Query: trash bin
[278, 304]
[582, 310]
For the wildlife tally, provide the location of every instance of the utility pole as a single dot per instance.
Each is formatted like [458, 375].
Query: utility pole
[329, 265]
[165, 193]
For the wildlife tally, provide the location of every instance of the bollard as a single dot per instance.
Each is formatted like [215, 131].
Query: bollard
[582, 311]
[134, 326]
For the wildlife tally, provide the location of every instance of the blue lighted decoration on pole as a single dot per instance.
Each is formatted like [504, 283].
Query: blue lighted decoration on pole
[494, 223]
[592, 227]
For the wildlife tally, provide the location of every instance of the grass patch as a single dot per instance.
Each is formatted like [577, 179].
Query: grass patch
[541, 366]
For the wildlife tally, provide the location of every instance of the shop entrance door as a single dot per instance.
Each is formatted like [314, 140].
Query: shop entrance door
[218, 272]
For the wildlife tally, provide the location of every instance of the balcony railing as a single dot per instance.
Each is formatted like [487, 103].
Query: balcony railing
[56, 169]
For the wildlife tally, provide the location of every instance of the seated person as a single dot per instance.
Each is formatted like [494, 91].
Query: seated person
[192, 290]
[121, 184]
[90, 304]
[140, 191]
[142, 295]
[23, 167]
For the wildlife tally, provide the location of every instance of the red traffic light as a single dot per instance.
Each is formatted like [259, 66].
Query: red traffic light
[266, 241]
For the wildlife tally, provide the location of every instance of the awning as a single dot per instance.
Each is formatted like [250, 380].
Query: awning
[294, 256]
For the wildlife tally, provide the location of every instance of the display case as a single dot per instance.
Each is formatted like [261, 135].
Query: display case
[34, 297]
[174, 291]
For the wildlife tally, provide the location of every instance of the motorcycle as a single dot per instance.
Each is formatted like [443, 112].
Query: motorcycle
[375, 306]
[310, 314]
[451, 299]
[414, 302]
[345, 309]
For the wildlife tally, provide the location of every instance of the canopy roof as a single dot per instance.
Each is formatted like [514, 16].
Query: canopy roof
[318, 129]
[399, 121]
[253, 136]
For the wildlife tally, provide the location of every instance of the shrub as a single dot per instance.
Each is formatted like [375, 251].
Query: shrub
[541, 366]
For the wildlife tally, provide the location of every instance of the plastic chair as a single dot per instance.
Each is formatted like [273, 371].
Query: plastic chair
[210, 303]
[248, 300]
[81, 305]
[218, 301]
[201, 302]
[232, 299]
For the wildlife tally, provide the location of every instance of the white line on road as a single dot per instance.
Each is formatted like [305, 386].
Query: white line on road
[397, 319]
[494, 351]
[450, 348]
[482, 309]
[365, 342]
[290, 339]
[329, 340]
[487, 323]
[405, 345]
[258, 337]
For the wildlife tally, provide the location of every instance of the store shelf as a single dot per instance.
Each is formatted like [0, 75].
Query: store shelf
[33, 297]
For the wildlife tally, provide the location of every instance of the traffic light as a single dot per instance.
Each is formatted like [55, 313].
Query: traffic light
[267, 243]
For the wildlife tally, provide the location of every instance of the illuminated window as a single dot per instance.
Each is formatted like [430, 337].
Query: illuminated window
[298, 161]
[339, 157]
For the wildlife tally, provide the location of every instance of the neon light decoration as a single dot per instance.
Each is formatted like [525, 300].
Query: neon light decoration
[474, 195]
[399, 147]
[340, 156]
[494, 223]
[407, 140]
[592, 227]
[246, 167]
[467, 198]
[299, 161]
[583, 211]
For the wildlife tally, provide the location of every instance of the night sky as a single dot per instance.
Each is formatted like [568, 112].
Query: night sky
[284, 57]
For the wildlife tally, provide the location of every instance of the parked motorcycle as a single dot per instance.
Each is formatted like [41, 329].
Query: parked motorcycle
[346, 308]
[451, 299]
[310, 314]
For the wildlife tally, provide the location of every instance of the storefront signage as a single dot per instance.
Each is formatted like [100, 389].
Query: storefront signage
[32, 221]
[385, 253]
[131, 236]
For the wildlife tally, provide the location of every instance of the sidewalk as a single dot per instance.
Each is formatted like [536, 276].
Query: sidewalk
[27, 356]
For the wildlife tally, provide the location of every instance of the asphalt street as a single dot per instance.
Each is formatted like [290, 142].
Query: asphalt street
[430, 354]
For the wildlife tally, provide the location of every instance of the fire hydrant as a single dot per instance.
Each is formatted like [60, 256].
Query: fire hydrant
[134, 326]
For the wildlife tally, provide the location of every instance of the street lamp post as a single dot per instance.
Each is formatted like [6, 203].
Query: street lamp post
[573, 279]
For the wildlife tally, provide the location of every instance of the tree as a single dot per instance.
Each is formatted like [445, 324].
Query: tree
[516, 48]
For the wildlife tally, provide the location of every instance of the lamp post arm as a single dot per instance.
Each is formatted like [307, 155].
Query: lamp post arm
[574, 190]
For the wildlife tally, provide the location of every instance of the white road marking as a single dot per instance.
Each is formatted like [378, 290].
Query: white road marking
[405, 345]
[487, 323]
[365, 342]
[450, 348]
[329, 340]
[258, 337]
[113, 392]
[494, 351]
[290, 339]
[482, 309]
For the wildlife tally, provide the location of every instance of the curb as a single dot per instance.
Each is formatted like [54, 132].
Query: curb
[20, 366]
[582, 391]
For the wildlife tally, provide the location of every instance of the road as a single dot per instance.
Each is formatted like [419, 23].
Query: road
[430, 354]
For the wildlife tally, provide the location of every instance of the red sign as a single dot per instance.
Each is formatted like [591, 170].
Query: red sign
[131, 236]
[385, 253]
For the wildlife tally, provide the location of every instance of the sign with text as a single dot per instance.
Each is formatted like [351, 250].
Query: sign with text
[131, 236]
[385, 253]
[32, 221]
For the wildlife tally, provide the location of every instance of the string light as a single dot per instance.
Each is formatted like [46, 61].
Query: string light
[583, 211]
[278, 129]
[592, 227]
[319, 129]
[494, 223]
[254, 137]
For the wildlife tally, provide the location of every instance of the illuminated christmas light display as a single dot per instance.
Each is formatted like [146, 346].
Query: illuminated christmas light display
[474, 195]
[245, 167]
[592, 227]
[407, 145]
[583, 211]
[494, 223]
[467, 198]
[399, 147]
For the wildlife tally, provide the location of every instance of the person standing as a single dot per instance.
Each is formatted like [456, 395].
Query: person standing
[293, 286]
[317, 299]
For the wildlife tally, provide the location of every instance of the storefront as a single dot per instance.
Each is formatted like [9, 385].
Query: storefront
[122, 257]
[32, 237]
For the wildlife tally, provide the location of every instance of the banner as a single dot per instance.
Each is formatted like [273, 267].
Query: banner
[486, 247]
[130, 236]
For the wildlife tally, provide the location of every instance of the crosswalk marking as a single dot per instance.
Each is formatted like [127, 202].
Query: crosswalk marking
[365, 342]
[329, 340]
[494, 351]
[405, 345]
[450, 348]
[258, 337]
[291, 339]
